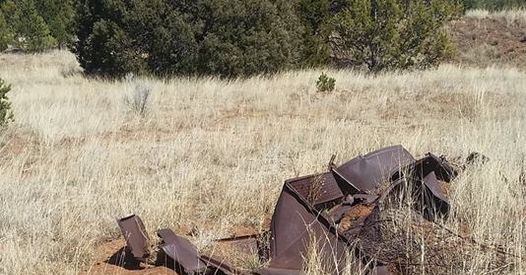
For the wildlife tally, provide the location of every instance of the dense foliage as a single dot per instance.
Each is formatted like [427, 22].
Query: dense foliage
[59, 16]
[315, 16]
[219, 37]
[5, 33]
[234, 38]
[35, 25]
[393, 34]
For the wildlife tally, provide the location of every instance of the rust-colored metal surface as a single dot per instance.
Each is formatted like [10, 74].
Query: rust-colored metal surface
[425, 175]
[188, 260]
[134, 233]
[181, 250]
[317, 190]
[444, 171]
[296, 224]
[366, 173]
[325, 212]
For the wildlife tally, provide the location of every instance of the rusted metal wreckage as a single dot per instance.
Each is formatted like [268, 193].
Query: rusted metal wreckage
[321, 207]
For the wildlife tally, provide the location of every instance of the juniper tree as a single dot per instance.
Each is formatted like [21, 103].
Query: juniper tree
[315, 16]
[29, 29]
[5, 33]
[58, 15]
[393, 34]
[229, 38]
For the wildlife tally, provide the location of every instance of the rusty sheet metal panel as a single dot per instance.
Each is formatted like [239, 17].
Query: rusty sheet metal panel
[433, 204]
[436, 203]
[428, 171]
[425, 174]
[181, 250]
[295, 224]
[186, 256]
[318, 189]
[365, 173]
[444, 171]
[440, 200]
[134, 233]
[434, 186]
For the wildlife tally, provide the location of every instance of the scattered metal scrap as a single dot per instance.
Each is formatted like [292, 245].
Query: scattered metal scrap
[341, 209]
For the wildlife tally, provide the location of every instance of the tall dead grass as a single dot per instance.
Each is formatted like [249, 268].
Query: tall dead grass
[513, 16]
[212, 155]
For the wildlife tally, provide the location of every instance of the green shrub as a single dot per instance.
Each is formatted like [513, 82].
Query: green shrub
[229, 38]
[325, 83]
[29, 29]
[36, 25]
[315, 16]
[393, 34]
[59, 16]
[6, 115]
[5, 33]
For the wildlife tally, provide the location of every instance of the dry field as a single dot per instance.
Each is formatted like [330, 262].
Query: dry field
[486, 39]
[211, 155]
[511, 17]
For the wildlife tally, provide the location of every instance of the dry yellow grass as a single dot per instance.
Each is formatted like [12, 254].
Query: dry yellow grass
[514, 16]
[213, 154]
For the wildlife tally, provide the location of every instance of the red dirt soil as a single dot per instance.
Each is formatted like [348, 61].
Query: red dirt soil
[484, 42]
[104, 263]
[108, 255]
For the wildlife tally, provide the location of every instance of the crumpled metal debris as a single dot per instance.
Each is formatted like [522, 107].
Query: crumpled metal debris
[333, 208]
